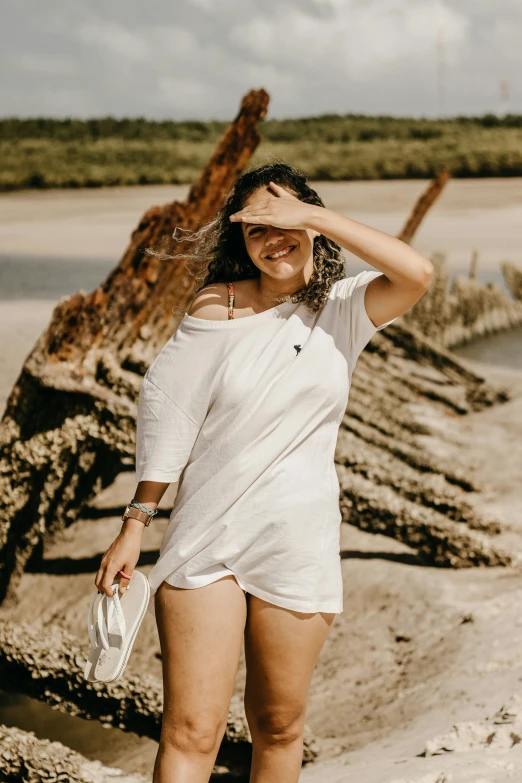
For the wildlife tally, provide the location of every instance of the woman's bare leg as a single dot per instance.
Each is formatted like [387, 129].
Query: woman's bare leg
[281, 648]
[201, 632]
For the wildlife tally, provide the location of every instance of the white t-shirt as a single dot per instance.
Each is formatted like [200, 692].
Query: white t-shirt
[246, 413]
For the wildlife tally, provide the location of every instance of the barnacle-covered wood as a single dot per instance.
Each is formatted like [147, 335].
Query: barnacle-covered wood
[46, 663]
[513, 278]
[468, 309]
[455, 314]
[69, 424]
[24, 758]
[389, 482]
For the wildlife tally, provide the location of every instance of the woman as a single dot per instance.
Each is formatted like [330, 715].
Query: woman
[243, 407]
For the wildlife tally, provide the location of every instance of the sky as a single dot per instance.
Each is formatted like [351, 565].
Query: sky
[196, 59]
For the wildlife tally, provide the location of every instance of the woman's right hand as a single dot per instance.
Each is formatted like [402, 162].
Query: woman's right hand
[122, 554]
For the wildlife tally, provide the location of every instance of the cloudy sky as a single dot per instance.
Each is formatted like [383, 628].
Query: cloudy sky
[195, 59]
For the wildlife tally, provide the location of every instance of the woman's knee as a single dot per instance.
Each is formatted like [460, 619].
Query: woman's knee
[277, 726]
[193, 735]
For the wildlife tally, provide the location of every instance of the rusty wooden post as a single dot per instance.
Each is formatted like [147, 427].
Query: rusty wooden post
[423, 204]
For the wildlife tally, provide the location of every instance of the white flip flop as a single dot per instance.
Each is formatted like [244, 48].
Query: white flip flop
[113, 633]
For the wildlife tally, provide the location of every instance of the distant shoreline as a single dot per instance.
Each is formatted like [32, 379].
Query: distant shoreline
[45, 153]
[39, 181]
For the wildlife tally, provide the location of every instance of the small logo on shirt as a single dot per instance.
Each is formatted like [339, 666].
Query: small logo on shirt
[297, 348]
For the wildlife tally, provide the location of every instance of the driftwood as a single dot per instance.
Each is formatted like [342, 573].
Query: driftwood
[468, 309]
[69, 422]
[423, 205]
[47, 664]
[26, 759]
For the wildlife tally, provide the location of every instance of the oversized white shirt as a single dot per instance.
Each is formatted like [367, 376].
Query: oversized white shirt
[246, 413]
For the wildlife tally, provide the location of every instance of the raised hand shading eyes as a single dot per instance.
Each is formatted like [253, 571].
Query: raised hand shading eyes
[285, 211]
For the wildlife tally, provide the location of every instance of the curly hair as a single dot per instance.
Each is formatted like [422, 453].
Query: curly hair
[220, 253]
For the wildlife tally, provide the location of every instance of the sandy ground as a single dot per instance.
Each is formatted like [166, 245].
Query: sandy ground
[485, 214]
[415, 651]
[431, 647]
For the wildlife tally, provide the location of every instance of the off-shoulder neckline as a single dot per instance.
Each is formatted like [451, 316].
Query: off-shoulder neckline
[235, 323]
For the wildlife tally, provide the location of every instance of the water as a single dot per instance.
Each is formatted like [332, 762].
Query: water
[503, 349]
[30, 277]
[37, 277]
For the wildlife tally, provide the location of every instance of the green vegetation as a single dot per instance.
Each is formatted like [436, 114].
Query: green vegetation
[47, 153]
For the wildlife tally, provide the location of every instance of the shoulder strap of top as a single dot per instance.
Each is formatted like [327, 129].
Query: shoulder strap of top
[230, 287]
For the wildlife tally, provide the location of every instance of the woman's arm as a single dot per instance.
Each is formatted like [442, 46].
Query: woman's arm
[124, 551]
[406, 273]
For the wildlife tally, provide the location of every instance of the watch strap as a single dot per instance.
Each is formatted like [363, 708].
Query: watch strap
[135, 513]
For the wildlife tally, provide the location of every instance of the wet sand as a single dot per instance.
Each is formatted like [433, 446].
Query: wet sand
[482, 214]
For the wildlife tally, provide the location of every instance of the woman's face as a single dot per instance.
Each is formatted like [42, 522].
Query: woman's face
[262, 241]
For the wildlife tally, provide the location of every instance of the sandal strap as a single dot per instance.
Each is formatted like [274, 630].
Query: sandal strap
[113, 609]
[90, 622]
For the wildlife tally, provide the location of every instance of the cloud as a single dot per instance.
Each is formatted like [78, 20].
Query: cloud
[197, 58]
[35, 65]
[363, 41]
[112, 38]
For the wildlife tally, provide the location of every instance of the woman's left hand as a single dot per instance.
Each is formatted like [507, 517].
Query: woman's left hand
[282, 211]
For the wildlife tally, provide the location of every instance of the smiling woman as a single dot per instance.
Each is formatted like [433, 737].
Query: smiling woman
[220, 250]
[242, 408]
